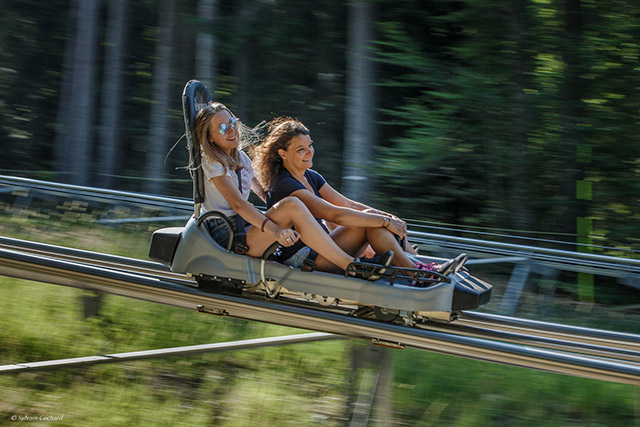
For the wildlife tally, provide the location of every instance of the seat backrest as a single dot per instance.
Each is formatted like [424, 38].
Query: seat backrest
[194, 97]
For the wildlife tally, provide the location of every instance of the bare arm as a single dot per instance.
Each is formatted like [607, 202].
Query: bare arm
[227, 187]
[331, 195]
[347, 216]
[334, 197]
[257, 188]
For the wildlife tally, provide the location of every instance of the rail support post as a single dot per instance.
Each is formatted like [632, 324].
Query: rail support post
[514, 288]
[91, 304]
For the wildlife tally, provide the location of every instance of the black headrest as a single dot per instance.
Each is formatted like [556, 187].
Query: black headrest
[194, 97]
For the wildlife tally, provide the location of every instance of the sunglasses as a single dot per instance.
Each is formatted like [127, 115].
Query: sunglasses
[224, 127]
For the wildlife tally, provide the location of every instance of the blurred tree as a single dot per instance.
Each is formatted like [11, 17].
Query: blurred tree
[32, 40]
[446, 156]
[241, 28]
[62, 161]
[359, 124]
[612, 159]
[206, 56]
[575, 89]
[155, 170]
[576, 140]
[82, 106]
[111, 93]
[518, 25]
[287, 58]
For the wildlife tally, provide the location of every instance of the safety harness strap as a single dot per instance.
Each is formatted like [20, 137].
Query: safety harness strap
[309, 264]
[240, 243]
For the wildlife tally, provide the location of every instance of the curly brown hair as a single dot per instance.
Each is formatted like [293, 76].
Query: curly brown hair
[266, 160]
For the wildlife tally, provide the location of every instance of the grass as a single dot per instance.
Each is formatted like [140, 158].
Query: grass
[302, 384]
[230, 388]
[471, 393]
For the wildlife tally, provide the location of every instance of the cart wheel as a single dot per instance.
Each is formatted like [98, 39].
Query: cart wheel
[385, 314]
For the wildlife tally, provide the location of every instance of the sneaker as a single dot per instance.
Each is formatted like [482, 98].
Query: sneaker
[454, 265]
[425, 267]
[383, 261]
[432, 266]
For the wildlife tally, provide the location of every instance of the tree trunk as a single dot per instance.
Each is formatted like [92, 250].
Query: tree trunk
[81, 112]
[240, 66]
[62, 145]
[158, 132]
[359, 121]
[329, 91]
[519, 157]
[112, 94]
[206, 44]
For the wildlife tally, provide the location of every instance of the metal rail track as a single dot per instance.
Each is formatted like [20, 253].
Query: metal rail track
[587, 340]
[557, 348]
[92, 193]
[627, 268]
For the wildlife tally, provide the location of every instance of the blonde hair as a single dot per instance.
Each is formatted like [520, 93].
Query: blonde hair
[266, 161]
[201, 133]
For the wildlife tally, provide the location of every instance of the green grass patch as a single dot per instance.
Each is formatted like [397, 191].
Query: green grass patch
[435, 390]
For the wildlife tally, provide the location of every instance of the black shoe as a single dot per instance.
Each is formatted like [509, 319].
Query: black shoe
[454, 265]
[374, 273]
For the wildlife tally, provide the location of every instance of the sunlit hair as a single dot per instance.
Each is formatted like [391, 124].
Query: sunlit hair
[266, 160]
[204, 138]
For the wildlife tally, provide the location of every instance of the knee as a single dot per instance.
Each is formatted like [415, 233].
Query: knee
[292, 204]
[375, 231]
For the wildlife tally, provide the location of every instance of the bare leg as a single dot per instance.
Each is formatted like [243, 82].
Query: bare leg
[356, 240]
[383, 240]
[408, 247]
[351, 239]
[291, 212]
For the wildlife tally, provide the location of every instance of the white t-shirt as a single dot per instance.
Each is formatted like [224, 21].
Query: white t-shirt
[213, 200]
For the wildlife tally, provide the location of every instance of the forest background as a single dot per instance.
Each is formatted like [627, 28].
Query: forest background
[508, 114]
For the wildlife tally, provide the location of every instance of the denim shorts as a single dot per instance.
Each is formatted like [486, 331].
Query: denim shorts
[220, 231]
[296, 260]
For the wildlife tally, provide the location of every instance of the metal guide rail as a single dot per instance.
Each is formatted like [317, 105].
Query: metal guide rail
[579, 261]
[614, 266]
[471, 323]
[12, 183]
[583, 352]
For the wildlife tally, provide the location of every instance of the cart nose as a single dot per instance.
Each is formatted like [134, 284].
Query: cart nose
[470, 292]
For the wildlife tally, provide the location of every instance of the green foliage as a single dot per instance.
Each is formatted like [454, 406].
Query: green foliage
[493, 111]
[32, 41]
[490, 112]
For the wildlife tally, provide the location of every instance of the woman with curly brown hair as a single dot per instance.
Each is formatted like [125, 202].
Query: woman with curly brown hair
[283, 167]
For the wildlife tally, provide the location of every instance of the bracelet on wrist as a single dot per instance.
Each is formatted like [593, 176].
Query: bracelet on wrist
[263, 224]
[386, 222]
